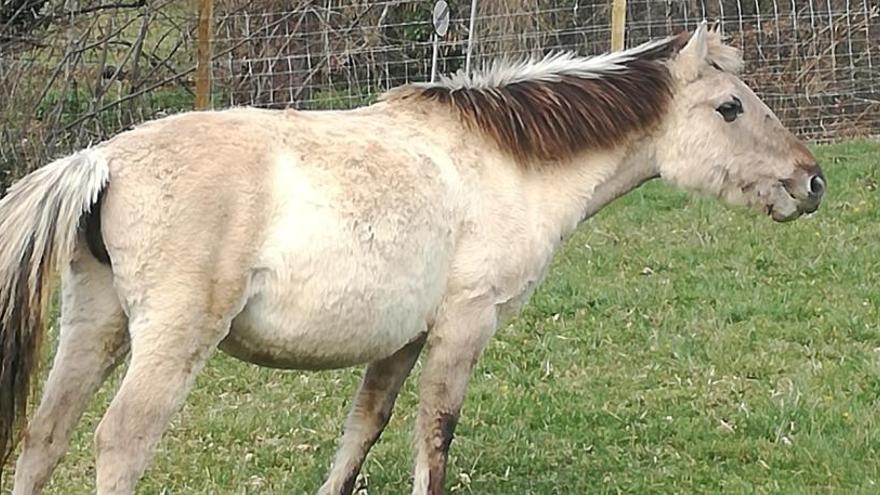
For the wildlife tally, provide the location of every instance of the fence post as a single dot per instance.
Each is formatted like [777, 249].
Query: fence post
[203, 67]
[471, 36]
[440, 19]
[618, 25]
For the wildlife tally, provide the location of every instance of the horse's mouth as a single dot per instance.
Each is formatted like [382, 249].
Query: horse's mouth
[782, 217]
[783, 206]
[805, 203]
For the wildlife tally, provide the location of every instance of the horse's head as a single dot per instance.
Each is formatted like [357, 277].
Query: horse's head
[719, 137]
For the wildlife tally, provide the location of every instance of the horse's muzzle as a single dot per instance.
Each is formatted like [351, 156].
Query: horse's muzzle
[807, 188]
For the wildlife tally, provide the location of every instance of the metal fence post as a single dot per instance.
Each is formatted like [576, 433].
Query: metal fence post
[203, 67]
[471, 36]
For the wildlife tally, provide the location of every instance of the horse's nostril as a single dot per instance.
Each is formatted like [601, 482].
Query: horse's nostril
[817, 185]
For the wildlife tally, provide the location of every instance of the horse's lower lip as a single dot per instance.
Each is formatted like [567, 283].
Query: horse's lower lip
[772, 212]
[780, 218]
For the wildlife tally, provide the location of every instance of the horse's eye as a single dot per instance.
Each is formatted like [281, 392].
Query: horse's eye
[731, 109]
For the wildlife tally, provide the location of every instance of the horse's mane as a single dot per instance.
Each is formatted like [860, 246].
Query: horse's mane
[562, 104]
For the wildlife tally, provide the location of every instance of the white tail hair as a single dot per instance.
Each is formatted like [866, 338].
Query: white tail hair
[39, 220]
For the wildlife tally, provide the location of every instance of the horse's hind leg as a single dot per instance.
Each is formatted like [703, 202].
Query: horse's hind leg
[369, 415]
[174, 326]
[92, 342]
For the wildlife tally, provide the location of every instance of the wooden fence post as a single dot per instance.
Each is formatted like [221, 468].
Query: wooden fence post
[618, 24]
[203, 67]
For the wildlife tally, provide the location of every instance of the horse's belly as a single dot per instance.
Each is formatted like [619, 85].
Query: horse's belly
[336, 310]
[320, 337]
[336, 286]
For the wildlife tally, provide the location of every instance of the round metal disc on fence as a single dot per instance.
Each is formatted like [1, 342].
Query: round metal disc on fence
[441, 18]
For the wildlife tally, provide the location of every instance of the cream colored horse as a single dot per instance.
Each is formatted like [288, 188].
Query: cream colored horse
[317, 240]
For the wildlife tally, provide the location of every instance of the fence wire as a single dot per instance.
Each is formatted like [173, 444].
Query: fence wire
[74, 72]
[814, 62]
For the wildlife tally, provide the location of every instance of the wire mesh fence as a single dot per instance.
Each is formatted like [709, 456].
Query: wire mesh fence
[814, 62]
[74, 72]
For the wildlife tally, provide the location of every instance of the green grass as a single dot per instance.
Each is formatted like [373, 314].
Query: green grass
[677, 346]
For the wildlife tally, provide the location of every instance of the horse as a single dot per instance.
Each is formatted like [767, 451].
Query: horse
[325, 239]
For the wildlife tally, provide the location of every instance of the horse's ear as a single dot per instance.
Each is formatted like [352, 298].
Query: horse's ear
[694, 54]
[698, 46]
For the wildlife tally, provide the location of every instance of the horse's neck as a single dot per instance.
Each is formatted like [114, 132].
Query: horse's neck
[566, 194]
[637, 166]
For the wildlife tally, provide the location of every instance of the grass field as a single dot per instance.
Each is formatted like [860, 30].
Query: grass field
[678, 346]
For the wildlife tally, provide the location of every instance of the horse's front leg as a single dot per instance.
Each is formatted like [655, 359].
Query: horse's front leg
[369, 415]
[454, 345]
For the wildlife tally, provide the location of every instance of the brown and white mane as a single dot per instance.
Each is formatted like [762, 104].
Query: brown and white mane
[552, 108]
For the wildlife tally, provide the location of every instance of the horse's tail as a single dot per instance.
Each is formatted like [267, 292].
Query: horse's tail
[39, 220]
